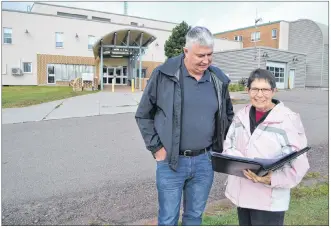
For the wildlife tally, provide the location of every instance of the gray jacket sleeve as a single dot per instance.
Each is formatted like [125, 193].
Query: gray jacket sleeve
[146, 112]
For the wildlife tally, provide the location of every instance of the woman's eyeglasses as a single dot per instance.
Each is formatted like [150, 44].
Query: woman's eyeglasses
[265, 91]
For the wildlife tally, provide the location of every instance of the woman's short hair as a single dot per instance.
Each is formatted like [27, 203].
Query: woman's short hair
[262, 74]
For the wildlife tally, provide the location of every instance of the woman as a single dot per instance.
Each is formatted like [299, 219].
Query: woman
[265, 129]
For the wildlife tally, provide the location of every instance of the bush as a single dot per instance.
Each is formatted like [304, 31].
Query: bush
[236, 87]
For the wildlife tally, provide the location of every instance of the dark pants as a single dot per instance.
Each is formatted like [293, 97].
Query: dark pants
[193, 179]
[252, 217]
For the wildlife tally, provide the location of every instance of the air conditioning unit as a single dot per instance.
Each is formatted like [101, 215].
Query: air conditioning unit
[16, 72]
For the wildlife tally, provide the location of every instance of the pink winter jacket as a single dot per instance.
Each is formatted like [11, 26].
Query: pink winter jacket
[280, 133]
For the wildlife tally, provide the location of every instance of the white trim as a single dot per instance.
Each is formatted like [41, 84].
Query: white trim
[4, 70]
[255, 33]
[277, 64]
[26, 63]
[289, 79]
[276, 34]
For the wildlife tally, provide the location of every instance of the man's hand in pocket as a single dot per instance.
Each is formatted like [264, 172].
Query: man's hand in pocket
[161, 154]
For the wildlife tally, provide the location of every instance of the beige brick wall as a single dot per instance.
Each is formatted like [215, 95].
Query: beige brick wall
[44, 59]
[150, 66]
[265, 36]
[63, 83]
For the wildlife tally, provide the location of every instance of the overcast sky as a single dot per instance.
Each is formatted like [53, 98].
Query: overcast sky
[217, 16]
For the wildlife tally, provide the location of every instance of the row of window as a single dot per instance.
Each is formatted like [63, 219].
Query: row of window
[256, 36]
[59, 42]
[67, 72]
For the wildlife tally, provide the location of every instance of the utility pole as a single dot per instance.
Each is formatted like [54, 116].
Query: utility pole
[257, 20]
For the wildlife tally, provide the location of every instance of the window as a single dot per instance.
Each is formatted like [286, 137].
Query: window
[59, 40]
[134, 23]
[255, 36]
[91, 41]
[274, 34]
[238, 38]
[100, 19]
[7, 35]
[27, 67]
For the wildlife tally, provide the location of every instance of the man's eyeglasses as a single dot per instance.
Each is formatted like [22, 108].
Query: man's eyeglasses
[265, 91]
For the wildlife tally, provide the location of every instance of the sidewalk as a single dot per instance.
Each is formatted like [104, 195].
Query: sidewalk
[80, 106]
[100, 103]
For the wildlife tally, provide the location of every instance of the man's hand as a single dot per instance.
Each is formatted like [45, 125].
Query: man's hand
[255, 178]
[161, 154]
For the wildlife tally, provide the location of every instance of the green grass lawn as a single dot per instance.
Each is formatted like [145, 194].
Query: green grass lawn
[309, 206]
[22, 96]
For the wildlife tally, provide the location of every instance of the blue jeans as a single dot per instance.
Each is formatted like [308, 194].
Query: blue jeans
[193, 179]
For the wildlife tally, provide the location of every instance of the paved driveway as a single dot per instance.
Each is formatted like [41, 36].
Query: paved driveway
[80, 106]
[79, 171]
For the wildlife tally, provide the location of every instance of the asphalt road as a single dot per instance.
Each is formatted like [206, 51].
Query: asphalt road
[96, 170]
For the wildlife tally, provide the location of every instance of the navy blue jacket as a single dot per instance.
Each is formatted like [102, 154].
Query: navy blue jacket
[159, 112]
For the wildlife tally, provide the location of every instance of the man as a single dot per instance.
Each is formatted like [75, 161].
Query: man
[184, 113]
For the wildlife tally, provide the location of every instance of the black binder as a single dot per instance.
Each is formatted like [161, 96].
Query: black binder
[233, 165]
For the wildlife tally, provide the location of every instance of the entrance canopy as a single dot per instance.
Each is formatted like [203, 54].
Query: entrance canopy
[123, 43]
[126, 43]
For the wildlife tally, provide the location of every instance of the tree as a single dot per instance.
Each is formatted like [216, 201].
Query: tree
[174, 45]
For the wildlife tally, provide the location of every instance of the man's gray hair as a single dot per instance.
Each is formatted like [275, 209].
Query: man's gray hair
[199, 35]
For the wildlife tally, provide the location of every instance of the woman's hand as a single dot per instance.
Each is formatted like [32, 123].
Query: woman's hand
[255, 178]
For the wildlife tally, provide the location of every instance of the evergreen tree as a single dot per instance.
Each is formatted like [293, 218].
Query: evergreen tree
[174, 45]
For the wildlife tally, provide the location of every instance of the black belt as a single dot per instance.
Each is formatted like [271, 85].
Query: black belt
[193, 153]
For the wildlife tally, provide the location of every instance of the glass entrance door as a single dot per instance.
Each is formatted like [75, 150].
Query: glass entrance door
[119, 74]
[108, 75]
[50, 74]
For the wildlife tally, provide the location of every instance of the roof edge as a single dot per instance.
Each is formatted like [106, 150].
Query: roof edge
[324, 31]
[52, 15]
[71, 7]
[253, 26]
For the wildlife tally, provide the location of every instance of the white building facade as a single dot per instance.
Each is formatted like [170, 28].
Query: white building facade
[53, 45]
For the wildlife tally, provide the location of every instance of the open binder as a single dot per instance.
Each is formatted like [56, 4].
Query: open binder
[233, 165]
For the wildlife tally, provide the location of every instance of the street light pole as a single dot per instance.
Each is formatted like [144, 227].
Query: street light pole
[256, 21]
